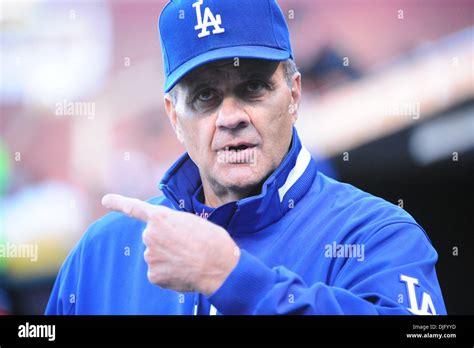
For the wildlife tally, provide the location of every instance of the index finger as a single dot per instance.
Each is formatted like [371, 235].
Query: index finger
[130, 206]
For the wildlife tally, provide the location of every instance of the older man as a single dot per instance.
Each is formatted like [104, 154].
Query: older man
[247, 224]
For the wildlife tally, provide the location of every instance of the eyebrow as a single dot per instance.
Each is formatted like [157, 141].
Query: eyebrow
[266, 70]
[258, 75]
[203, 83]
[212, 78]
[206, 82]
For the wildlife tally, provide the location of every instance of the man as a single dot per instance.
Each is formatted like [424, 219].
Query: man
[247, 224]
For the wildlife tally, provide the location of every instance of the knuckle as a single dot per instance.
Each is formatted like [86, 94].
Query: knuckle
[128, 209]
[157, 215]
[150, 276]
[147, 255]
[146, 236]
[155, 278]
[154, 215]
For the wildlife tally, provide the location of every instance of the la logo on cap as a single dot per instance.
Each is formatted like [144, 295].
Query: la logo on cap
[209, 21]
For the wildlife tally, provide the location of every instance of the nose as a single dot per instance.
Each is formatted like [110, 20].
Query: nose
[231, 115]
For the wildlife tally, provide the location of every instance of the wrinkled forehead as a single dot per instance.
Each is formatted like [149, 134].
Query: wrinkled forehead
[230, 71]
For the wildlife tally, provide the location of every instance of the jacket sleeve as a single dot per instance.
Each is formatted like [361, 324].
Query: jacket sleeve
[396, 277]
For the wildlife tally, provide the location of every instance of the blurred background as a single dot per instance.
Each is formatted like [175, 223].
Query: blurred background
[388, 106]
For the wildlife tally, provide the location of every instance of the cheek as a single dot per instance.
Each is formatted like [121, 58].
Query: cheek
[274, 122]
[197, 134]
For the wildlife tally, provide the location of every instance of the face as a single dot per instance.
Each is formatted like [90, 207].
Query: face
[235, 122]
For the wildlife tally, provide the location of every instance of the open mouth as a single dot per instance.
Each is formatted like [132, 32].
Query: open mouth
[237, 154]
[238, 147]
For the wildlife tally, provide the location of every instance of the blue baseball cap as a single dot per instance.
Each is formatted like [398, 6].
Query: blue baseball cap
[196, 32]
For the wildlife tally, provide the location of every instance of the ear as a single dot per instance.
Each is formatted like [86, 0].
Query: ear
[170, 109]
[295, 96]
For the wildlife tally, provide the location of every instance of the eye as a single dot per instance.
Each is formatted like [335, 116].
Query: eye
[206, 95]
[255, 86]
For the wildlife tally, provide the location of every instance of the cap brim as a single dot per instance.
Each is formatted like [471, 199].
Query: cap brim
[256, 52]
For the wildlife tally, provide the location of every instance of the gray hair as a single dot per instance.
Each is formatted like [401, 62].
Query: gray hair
[290, 69]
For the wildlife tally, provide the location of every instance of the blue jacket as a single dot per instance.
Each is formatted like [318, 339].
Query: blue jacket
[310, 245]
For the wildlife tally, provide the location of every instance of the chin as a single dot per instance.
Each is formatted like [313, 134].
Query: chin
[241, 176]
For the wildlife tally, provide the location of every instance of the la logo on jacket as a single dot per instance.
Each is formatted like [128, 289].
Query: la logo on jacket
[426, 301]
[209, 21]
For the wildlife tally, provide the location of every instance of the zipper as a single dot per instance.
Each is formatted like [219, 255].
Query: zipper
[196, 303]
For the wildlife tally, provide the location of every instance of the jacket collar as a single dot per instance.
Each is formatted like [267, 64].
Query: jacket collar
[280, 192]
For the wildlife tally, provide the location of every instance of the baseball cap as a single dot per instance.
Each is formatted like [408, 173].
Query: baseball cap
[196, 32]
